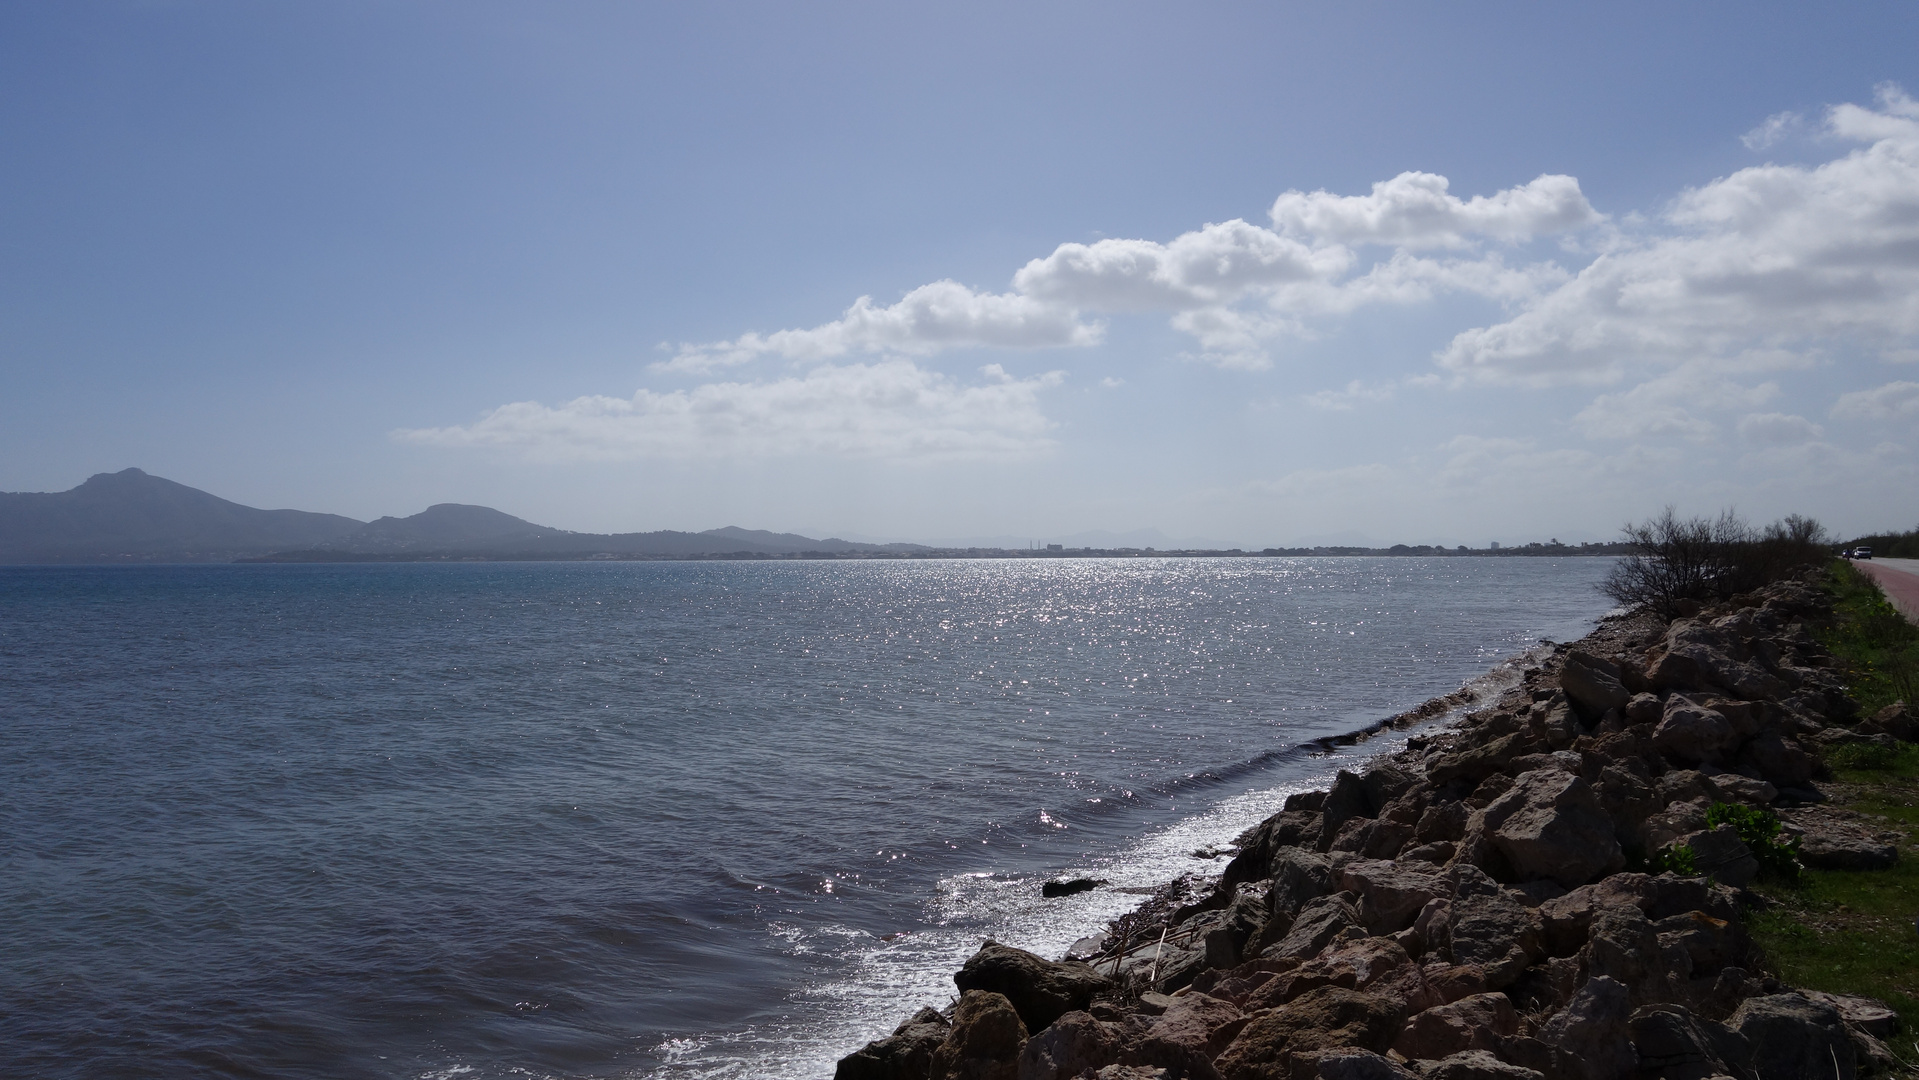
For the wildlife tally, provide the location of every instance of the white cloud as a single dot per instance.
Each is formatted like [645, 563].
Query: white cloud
[1234, 286]
[1780, 257]
[1669, 406]
[1355, 393]
[1415, 209]
[1893, 401]
[893, 409]
[932, 317]
[1777, 127]
[1214, 265]
[1779, 429]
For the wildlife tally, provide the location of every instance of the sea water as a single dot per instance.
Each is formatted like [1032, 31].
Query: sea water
[675, 819]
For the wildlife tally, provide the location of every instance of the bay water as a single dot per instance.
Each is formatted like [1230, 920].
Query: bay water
[672, 819]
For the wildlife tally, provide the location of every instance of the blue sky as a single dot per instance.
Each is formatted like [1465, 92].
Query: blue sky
[1258, 273]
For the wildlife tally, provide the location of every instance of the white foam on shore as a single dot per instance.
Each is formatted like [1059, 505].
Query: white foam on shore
[889, 981]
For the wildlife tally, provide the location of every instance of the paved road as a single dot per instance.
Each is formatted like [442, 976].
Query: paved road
[1898, 579]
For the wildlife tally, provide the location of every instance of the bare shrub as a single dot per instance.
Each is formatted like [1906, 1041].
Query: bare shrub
[1678, 561]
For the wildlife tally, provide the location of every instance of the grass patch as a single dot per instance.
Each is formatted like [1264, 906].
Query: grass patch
[1875, 645]
[1853, 932]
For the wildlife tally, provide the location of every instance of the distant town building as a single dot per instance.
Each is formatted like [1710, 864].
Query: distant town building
[1494, 546]
[1055, 547]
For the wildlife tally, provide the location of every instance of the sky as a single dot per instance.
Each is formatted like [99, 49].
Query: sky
[1264, 274]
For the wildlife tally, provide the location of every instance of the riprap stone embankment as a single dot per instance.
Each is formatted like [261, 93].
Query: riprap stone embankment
[1479, 906]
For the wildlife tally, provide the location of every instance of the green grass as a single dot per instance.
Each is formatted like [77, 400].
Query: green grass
[1876, 646]
[1852, 932]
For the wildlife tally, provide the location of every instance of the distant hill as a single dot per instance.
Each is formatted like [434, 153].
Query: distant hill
[128, 515]
[443, 526]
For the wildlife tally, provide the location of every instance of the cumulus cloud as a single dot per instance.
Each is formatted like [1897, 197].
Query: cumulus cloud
[1416, 209]
[1234, 286]
[1214, 265]
[1779, 429]
[1777, 127]
[932, 317]
[1774, 256]
[1355, 393]
[1893, 401]
[892, 409]
[1674, 404]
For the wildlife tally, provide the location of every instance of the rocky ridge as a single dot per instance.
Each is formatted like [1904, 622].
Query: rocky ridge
[1481, 906]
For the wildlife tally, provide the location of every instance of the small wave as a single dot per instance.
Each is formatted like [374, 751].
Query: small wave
[887, 979]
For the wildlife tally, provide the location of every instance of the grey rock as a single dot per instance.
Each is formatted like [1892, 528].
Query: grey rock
[1720, 854]
[1041, 990]
[1594, 684]
[1867, 1014]
[1476, 1065]
[907, 1054]
[1551, 825]
[1073, 1044]
[1346, 1064]
[985, 1041]
[1674, 1044]
[1896, 720]
[1298, 877]
[1317, 924]
[1477, 1022]
[1795, 1038]
[1692, 732]
[1589, 1037]
[1389, 897]
[1328, 1018]
[1488, 929]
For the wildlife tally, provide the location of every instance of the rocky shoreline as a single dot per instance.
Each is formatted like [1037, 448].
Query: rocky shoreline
[1534, 893]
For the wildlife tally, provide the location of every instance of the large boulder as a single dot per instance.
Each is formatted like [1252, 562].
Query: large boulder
[1373, 965]
[1589, 1038]
[1720, 854]
[1551, 825]
[1794, 1037]
[1324, 1019]
[907, 1054]
[1198, 1022]
[1780, 759]
[1389, 897]
[1691, 732]
[1074, 1044]
[1299, 876]
[1478, 1022]
[1673, 1044]
[1041, 990]
[1477, 1065]
[1699, 657]
[1475, 763]
[1896, 720]
[1594, 684]
[1487, 928]
[1346, 1064]
[1565, 919]
[1317, 924]
[985, 1042]
[1348, 799]
[1622, 946]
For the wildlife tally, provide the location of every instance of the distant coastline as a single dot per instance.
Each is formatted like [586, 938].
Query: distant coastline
[1051, 552]
[131, 517]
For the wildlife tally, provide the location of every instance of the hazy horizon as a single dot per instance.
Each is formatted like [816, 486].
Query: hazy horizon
[1258, 276]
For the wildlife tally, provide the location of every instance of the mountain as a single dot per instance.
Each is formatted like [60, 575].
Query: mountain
[129, 516]
[444, 526]
[114, 517]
